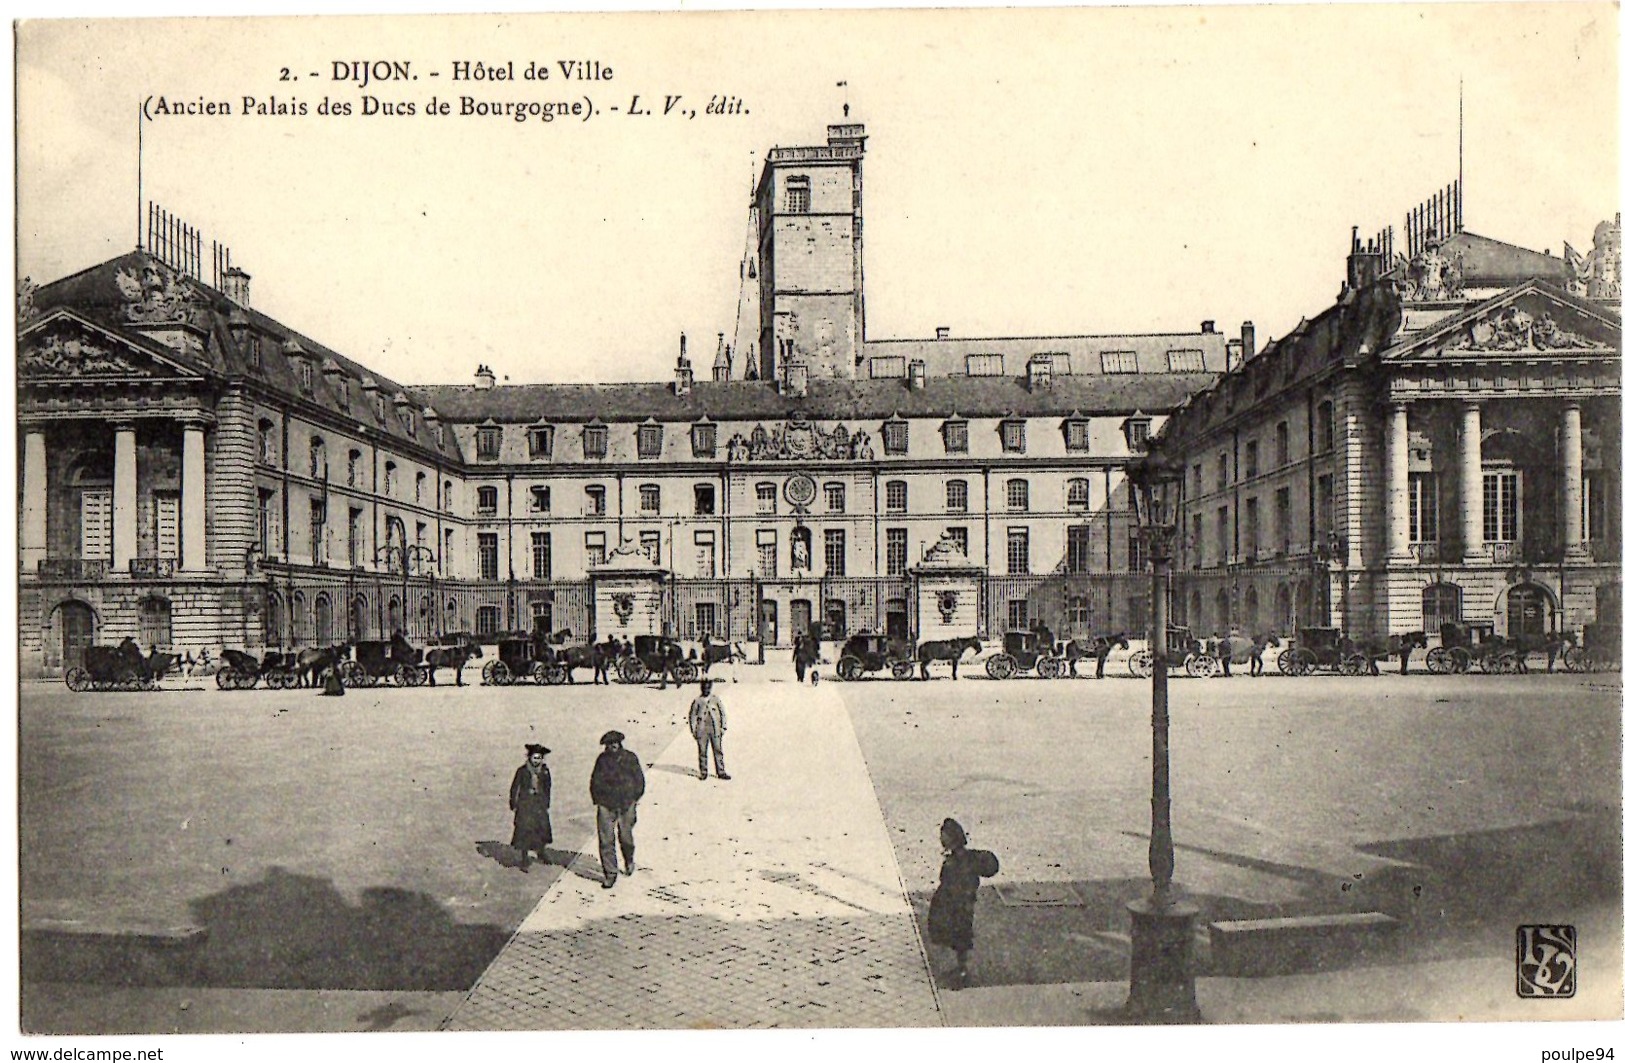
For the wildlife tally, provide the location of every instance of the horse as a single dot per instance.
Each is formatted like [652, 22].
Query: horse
[573, 657]
[312, 661]
[950, 650]
[152, 666]
[1237, 648]
[604, 656]
[1099, 648]
[1381, 648]
[452, 656]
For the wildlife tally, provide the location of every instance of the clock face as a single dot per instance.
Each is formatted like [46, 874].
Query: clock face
[799, 490]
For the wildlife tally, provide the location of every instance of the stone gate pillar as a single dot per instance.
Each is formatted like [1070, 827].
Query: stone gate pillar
[948, 593]
[628, 595]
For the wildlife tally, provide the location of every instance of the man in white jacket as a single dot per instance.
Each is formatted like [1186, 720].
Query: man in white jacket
[707, 722]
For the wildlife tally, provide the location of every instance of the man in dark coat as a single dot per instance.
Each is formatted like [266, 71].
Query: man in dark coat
[950, 919]
[529, 797]
[616, 787]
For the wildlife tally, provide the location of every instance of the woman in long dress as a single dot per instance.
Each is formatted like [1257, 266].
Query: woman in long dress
[529, 797]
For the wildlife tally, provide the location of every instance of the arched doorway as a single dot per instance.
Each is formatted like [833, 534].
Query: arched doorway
[769, 634]
[324, 620]
[1221, 605]
[77, 622]
[1195, 615]
[358, 617]
[1252, 610]
[1283, 608]
[273, 619]
[1528, 607]
[394, 623]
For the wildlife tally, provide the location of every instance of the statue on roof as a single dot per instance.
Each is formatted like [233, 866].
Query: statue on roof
[1433, 274]
[1596, 276]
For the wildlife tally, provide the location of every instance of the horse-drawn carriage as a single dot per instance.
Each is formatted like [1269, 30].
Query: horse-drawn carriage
[1027, 651]
[243, 671]
[1463, 647]
[120, 667]
[523, 659]
[1323, 649]
[865, 653]
[656, 655]
[375, 661]
[1185, 651]
[1598, 651]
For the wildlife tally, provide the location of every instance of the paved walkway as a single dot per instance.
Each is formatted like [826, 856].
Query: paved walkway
[755, 903]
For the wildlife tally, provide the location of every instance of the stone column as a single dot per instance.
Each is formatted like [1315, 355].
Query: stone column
[124, 497]
[1399, 484]
[1574, 547]
[33, 548]
[1472, 484]
[194, 499]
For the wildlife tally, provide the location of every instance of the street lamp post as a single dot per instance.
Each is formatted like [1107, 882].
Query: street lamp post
[387, 554]
[1162, 981]
[423, 555]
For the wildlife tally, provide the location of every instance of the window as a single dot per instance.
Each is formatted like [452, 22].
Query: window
[958, 496]
[356, 540]
[1593, 507]
[705, 619]
[767, 498]
[268, 447]
[1198, 547]
[389, 478]
[1077, 548]
[1282, 445]
[409, 421]
[540, 440]
[541, 499]
[1424, 508]
[1441, 604]
[1501, 506]
[595, 500]
[705, 500]
[1223, 532]
[596, 550]
[896, 496]
[984, 364]
[307, 375]
[702, 440]
[960, 537]
[1138, 430]
[318, 531]
[352, 468]
[705, 555]
[1014, 436]
[649, 498]
[896, 551]
[1251, 455]
[1186, 361]
[1324, 502]
[488, 442]
[342, 385]
[885, 367]
[1224, 471]
[446, 552]
[1119, 361]
[488, 555]
[445, 496]
[265, 523]
[834, 552]
[1283, 519]
[155, 623]
[956, 437]
[1015, 496]
[1325, 427]
[422, 481]
[651, 438]
[1077, 493]
[797, 197]
[1015, 552]
[894, 437]
[487, 618]
[487, 505]
[541, 555]
[1196, 481]
[378, 407]
[1252, 527]
[595, 441]
[767, 553]
[1015, 614]
[1077, 614]
[835, 498]
[1076, 432]
[318, 459]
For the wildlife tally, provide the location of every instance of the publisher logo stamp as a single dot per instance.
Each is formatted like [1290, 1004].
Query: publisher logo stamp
[1546, 958]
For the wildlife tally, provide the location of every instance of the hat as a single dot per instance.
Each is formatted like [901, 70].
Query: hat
[612, 738]
[532, 749]
[955, 833]
[705, 684]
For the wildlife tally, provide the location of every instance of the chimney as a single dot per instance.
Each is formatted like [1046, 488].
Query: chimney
[795, 379]
[1232, 355]
[234, 284]
[722, 366]
[942, 332]
[916, 374]
[1208, 327]
[1365, 262]
[484, 379]
[1248, 348]
[1040, 372]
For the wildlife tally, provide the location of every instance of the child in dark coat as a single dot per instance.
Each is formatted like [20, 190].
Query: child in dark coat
[953, 906]
[529, 796]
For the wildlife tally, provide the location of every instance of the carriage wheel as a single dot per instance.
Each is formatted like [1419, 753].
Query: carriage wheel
[1506, 664]
[1201, 666]
[351, 674]
[687, 672]
[496, 674]
[485, 672]
[1001, 666]
[633, 670]
[850, 669]
[1460, 660]
[1287, 662]
[226, 678]
[902, 669]
[1354, 664]
[1438, 661]
[1577, 660]
[549, 673]
[1140, 663]
[76, 679]
[1051, 668]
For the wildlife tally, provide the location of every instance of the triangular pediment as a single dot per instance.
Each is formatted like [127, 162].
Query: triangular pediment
[64, 347]
[1534, 319]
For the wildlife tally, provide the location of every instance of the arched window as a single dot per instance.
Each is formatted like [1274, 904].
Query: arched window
[1195, 617]
[1283, 608]
[389, 478]
[297, 618]
[1252, 610]
[324, 620]
[273, 619]
[268, 447]
[1221, 605]
[155, 623]
[395, 622]
[1077, 493]
[318, 458]
[352, 468]
[422, 479]
[1441, 604]
[358, 616]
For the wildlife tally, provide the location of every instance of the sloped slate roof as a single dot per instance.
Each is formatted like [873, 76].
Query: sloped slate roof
[825, 399]
[1490, 263]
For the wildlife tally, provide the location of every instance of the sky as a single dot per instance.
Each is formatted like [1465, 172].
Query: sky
[1029, 172]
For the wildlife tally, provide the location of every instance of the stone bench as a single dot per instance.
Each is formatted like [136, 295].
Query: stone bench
[1296, 943]
[72, 950]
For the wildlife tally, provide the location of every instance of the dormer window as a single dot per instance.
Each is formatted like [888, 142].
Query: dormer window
[1076, 432]
[894, 436]
[1119, 361]
[1136, 430]
[956, 436]
[409, 421]
[378, 406]
[703, 440]
[307, 375]
[540, 440]
[341, 386]
[1013, 433]
[595, 441]
[488, 442]
[651, 439]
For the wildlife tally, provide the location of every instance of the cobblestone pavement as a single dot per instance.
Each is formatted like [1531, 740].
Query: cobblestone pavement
[772, 900]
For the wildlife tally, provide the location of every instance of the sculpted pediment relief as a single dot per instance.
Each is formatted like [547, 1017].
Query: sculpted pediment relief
[66, 349]
[1530, 325]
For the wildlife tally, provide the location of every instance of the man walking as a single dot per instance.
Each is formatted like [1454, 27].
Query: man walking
[706, 722]
[616, 787]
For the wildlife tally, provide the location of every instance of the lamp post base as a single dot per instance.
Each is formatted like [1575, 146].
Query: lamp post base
[1162, 977]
